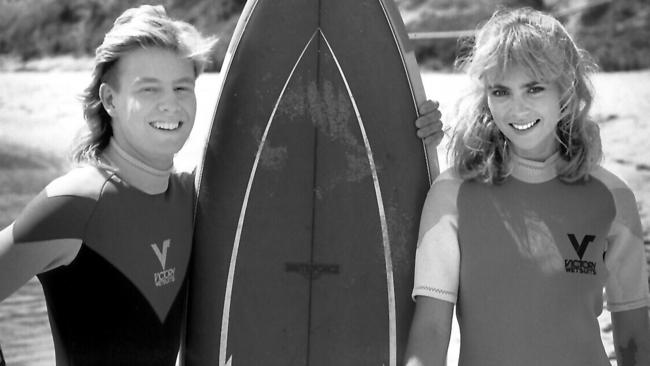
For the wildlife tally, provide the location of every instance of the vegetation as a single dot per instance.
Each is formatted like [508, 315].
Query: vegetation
[617, 32]
[617, 35]
[41, 28]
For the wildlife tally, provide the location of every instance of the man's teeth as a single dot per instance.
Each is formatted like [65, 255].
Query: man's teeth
[166, 125]
[524, 127]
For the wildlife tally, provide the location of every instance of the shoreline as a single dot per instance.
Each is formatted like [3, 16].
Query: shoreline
[84, 63]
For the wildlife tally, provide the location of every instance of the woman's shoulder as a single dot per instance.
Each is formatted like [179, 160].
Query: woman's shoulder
[448, 176]
[608, 178]
[448, 180]
[621, 193]
[445, 187]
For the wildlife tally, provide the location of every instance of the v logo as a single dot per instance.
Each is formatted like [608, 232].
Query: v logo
[582, 247]
[162, 257]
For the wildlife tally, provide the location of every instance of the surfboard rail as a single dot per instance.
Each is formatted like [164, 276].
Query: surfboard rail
[412, 69]
[271, 93]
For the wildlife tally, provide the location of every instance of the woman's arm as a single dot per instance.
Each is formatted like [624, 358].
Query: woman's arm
[627, 284]
[632, 337]
[430, 332]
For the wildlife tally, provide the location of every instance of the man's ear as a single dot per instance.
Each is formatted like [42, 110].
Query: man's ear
[106, 93]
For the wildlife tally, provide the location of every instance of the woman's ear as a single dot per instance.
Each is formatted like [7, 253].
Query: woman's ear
[106, 96]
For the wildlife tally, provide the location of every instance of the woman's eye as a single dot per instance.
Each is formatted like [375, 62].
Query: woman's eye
[536, 89]
[499, 92]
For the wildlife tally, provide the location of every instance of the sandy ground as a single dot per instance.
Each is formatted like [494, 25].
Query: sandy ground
[40, 111]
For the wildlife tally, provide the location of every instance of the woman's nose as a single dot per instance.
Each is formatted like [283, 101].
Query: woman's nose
[519, 106]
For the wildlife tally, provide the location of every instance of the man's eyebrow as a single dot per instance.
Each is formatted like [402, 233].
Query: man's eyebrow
[186, 79]
[146, 79]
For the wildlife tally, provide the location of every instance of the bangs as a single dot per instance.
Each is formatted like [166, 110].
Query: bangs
[538, 45]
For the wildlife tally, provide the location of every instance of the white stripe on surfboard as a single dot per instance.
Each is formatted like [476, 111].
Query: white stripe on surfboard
[230, 55]
[380, 204]
[242, 215]
[392, 327]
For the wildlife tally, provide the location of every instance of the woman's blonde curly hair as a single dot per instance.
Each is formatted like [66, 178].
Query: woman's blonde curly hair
[542, 46]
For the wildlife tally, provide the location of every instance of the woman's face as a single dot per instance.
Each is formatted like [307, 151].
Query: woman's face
[526, 111]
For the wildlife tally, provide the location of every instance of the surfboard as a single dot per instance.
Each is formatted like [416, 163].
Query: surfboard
[310, 191]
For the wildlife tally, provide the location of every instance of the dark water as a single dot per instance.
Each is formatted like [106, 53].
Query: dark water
[24, 328]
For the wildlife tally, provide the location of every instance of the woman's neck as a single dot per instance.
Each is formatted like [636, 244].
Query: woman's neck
[532, 171]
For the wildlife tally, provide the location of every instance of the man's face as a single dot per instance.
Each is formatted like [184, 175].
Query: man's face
[153, 104]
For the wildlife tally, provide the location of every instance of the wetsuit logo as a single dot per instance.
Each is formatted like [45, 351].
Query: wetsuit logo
[579, 265]
[166, 276]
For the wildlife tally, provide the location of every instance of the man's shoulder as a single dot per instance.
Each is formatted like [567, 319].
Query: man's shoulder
[84, 181]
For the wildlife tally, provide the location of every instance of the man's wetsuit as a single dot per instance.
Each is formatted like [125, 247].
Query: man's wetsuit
[118, 242]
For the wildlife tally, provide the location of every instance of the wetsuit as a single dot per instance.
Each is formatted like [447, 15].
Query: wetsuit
[115, 241]
[526, 263]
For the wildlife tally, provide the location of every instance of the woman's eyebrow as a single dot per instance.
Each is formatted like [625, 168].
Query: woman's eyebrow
[531, 84]
[497, 86]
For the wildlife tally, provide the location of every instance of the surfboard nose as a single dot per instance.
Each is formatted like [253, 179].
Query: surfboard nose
[308, 201]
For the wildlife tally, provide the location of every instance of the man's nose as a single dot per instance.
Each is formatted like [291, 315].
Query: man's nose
[169, 102]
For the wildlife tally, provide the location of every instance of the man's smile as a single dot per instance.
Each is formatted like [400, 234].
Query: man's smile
[166, 126]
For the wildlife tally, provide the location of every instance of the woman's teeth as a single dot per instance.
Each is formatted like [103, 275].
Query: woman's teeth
[524, 127]
[167, 126]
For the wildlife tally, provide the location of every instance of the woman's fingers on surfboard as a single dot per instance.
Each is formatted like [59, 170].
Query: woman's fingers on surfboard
[433, 140]
[429, 115]
[428, 106]
[429, 124]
